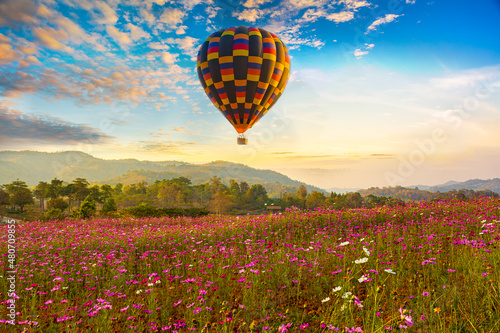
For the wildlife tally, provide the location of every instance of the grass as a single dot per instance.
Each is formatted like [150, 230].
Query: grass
[427, 267]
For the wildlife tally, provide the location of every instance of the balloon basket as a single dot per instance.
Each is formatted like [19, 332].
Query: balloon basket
[242, 140]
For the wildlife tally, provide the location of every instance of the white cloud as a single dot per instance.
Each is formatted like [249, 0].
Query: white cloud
[120, 37]
[108, 14]
[249, 15]
[410, 2]
[172, 17]
[255, 3]
[136, 32]
[343, 16]
[187, 44]
[382, 20]
[168, 58]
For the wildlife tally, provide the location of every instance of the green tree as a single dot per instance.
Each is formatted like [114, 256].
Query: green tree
[40, 192]
[87, 208]
[55, 188]
[58, 203]
[81, 189]
[4, 197]
[21, 197]
[19, 194]
[109, 206]
[315, 199]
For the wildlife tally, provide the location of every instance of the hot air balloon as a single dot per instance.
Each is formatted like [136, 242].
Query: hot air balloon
[243, 70]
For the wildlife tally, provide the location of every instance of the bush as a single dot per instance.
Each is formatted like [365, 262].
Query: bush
[58, 203]
[54, 214]
[87, 209]
[144, 210]
[109, 207]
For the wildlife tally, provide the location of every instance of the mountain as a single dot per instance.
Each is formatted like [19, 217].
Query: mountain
[471, 184]
[32, 167]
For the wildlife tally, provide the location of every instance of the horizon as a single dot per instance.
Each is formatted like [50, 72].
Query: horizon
[327, 189]
[393, 93]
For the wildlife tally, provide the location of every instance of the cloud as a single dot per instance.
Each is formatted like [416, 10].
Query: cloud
[355, 4]
[160, 146]
[136, 32]
[77, 35]
[172, 17]
[255, 3]
[382, 20]
[25, 128]
[13, 12]
[168, 58]
[301, 4]
[359, 52]
[343, 16]
[187, 44]
[7, 53]
[118, 36]
[249, 15]
[50, 37]
[108, 14]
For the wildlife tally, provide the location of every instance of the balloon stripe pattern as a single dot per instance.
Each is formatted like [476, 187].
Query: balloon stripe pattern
[243, 71]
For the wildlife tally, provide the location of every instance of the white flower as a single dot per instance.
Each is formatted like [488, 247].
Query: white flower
[344, 243]
[158, 281]
[361, 261]
[347, 295]
[138, 291]
[150, 284]
[336, 289]
[362, 279]
[366, 251]
[390, 271]
[325, 300]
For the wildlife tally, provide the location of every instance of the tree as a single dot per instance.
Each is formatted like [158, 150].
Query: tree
[109, 206]
[106, 192]
[81, 188]
[302, 192]
[55, 188]
[21, 197]
[315, 199]
[87, 209]
[58, 203]
[40, 192]
[19, 194]
[220, 203]
[96, 193]
[4, 197]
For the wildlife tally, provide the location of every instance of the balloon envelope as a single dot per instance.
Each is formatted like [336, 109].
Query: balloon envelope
[243, 70]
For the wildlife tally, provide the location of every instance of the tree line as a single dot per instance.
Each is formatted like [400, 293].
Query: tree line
[178, 196]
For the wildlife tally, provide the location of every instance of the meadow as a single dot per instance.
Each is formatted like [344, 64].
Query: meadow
[422, 267]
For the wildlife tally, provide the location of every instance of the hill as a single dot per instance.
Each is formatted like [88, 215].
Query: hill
[32, 167]
[471, 184]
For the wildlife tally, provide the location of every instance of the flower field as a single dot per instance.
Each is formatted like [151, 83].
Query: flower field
[424, 267]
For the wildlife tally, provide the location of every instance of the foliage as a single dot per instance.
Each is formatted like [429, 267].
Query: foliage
[54, 214]
[87, 209]
[109, 206]
[58, 203]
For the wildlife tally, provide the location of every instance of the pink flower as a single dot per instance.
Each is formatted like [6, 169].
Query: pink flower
[49, 302]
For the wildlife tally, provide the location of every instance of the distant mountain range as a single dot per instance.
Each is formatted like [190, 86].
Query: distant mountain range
[471, 184]
[33, 167]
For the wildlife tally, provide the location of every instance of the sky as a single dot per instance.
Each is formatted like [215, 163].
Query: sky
[381, 93]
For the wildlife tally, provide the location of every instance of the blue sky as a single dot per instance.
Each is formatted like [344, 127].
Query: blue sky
[381, 92]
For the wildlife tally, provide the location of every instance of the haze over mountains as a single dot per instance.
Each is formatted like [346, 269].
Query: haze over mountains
[33, 167]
